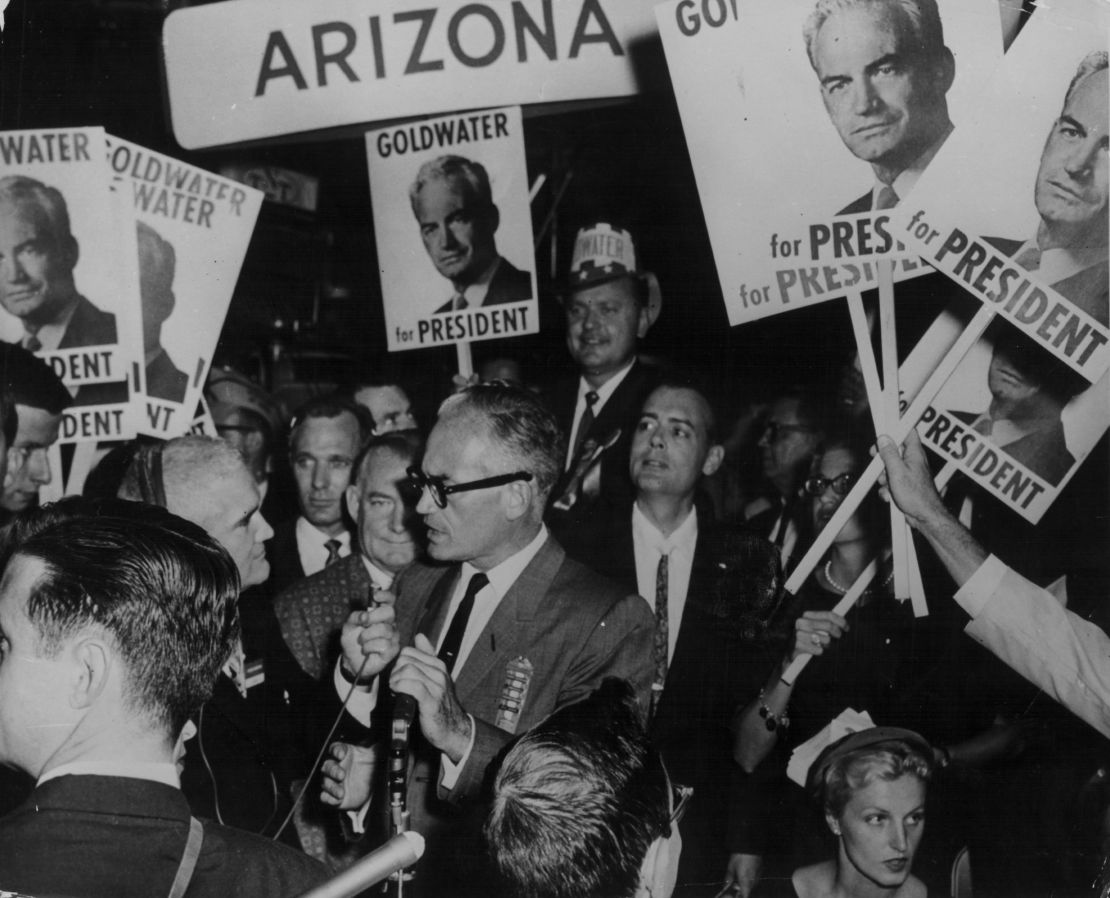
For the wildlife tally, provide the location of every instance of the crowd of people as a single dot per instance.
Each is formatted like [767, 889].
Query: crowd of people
[211, 652]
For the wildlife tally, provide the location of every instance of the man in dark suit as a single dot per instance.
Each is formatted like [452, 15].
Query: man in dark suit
[1072, 195]
[157, 267]
[266, 717]
[117, 618]
[453, 204]
[327, 434]
[683, 563]
[610, 306]
[312, 611]
[508, 631]
[884, 73]
[37, 256]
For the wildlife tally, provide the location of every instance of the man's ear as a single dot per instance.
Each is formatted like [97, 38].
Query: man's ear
[650, 313]
[351, 500]
[713, 460]
[92, 665]
[945, 72]
[518, 499]
[71, 252]
[494, 216]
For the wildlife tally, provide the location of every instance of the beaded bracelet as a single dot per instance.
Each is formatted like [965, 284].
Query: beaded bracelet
[771, 720]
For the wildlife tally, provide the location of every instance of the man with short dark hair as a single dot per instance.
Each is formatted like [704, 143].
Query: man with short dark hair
[387, 402]
[39, 399]
[670, 551]
[508, 631]
[453, 204]
[884, 73]
[584, 808]
[116, 618]
[312, 611]
[328, 433]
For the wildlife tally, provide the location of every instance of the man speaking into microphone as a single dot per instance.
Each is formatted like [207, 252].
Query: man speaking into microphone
[506, 633]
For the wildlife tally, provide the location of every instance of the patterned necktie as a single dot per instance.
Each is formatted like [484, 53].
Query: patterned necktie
[887, 198]
[32, 343]
[449, 648]
[333, 546]
[584, 425]
[659, 646]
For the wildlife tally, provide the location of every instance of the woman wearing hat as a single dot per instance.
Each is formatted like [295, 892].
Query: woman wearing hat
[871, 785]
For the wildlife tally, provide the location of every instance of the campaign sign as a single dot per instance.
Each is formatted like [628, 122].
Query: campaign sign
[1014, 209]
[1013, 417]
[453, 229]
[191, 230]
[64, 290]
[790, 154]
[259, 68]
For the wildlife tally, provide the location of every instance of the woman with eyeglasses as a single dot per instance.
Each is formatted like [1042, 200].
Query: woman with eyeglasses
[870, 661]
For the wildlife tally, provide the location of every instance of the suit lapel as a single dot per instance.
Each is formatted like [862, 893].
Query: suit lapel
[507, 634]
[615, 412]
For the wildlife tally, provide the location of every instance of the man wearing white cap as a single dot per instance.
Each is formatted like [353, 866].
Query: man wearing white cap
[611, 304]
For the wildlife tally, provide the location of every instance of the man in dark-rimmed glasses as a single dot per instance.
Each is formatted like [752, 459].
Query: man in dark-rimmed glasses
[511, 630]
[583, 806]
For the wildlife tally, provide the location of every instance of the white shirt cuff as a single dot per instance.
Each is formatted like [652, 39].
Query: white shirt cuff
[358, 818]
[363, 700]
[980, 588]
[449, 770]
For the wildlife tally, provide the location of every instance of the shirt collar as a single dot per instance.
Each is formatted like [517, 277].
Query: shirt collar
[504, 575]
[381, 579]
[475, 292]
[311, 535]
[908, 177]
[50, 335]
[648, 535]
[606, 389]
[1062, 262]
[164, 772]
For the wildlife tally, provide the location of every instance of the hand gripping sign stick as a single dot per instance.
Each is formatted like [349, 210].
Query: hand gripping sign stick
[870, 474]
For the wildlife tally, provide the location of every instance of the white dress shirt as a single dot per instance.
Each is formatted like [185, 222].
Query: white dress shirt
[311, 548]
[603, 393]
[650, 545]
[164, 772]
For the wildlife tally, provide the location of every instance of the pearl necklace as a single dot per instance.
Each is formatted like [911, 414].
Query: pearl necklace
[839, 587]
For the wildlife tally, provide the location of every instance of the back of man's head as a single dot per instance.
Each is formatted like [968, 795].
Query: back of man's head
[161, 589]
[579, 800]
[28, 380]
[520, 427]
[178, 474]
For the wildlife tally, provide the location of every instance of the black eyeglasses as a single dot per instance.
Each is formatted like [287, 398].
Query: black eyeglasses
[841, 484]
[774, 429]
[418, 480]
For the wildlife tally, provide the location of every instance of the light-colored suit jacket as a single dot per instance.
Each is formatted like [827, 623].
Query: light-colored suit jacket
[571, 625]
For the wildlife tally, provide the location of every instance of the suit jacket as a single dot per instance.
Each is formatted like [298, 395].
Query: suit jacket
[711, 674]
[1088, 288]
[622, 410]
[284, 557]
[250, 749]
[89, 326]
[164, 380]
[312, 611]
[574, 627]
[1044, 452]
[862, 204]
[116, 837]
[508, 284]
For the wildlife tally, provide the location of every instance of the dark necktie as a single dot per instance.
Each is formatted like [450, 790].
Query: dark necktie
[659, 646]
[459, 302]
[584, 425]
[32, 343]
[333, 546]
[887, 198]
[449, 648]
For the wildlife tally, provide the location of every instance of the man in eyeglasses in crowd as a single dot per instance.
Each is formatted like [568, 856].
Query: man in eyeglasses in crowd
[583, 806]
[790, 437]
[511, 630]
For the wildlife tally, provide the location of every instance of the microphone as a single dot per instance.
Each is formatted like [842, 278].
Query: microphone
[404, 713]
[403, 850]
